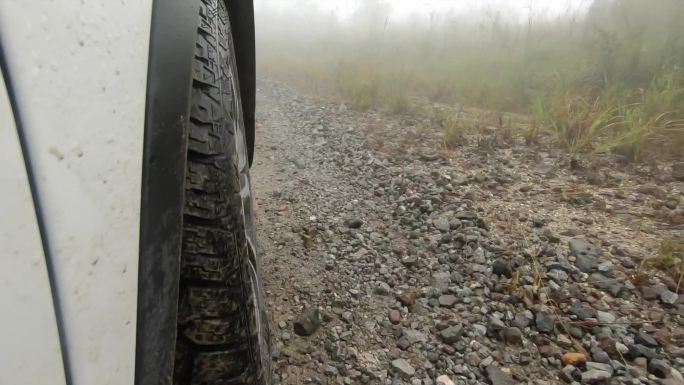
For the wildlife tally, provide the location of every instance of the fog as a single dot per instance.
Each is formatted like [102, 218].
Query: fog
[602, 76]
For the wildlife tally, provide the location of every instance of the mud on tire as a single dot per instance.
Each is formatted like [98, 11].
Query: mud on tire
[222, 331]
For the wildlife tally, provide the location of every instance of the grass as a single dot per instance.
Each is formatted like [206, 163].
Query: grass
[671, 259]
[606, 79]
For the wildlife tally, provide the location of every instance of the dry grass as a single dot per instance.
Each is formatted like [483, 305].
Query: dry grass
[610, 80]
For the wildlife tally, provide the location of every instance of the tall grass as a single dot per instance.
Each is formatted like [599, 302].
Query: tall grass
[606, 78]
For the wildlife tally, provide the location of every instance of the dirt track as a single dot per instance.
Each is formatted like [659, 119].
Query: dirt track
[487, 264]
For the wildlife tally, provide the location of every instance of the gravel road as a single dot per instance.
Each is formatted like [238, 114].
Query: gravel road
[389, 261]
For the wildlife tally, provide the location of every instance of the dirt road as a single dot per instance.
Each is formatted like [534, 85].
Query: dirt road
[387, 261]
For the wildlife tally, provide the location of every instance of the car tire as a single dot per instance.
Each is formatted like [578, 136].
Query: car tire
[223, 335]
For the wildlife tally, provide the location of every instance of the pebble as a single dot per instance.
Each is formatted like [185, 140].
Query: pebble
[308, 322]
[403, 367]
[451, 334]
[594, 375]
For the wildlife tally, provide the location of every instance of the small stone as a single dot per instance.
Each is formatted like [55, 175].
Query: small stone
[544, 322]
[658, 368]
[447, 300]
[574, 359]
[353, 223]
[570, 373]
[382, 289]
[564, 341]
[606, 267]
[582, 312]
[444, 380]
[330, 370]
[442, 224]
[308, 322]
[407, 299]
[605, 317]
[599, 366]
[646, 340]
[523, 320]
[652, 190]
[513, 336]
[451, 334]
[599, 355]
[394, 316]
[502, 267]
[497, 376]
[678, 171]
[669, 298]
[403, 367]
[594, 376]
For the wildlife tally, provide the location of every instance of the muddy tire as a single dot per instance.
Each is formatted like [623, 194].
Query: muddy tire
[222, 328]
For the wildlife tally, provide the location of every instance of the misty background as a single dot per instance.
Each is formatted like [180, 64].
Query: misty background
[596, 76]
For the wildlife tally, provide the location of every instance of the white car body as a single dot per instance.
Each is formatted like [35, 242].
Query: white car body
[79, 73]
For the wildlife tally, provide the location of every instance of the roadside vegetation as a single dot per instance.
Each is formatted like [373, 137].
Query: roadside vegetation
[604, 77]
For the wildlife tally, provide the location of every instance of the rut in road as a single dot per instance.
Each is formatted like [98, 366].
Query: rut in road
[387, 261]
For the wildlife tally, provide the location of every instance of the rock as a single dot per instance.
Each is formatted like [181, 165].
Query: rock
[502, 267]
[599, 355]
[447, 300]
[523, 320]
[653, 191]
[574, 359]
[497, 376]
[586, 254]
[444, 380]
[594, 376]
[407, 299]
[409, 260]
[549, 350]
[414, 336]
[353, 223]
[611, 285]
[645, 339]
[544, 322]
[570, 374]
[605, 317]
[451, 334]
[382, 289]
[599, 366]
[582, 312]
[606, 267]
[441, 224]
[678, 171]
[513, 336]
[564, 341]
[394, 316]
[669, 298]
[638, 350]
[658, 368]
[403, 368]
[308, 322]
[441, 281]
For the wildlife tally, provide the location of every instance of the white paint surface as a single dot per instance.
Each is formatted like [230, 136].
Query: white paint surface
[29, 352]
[79, 72]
